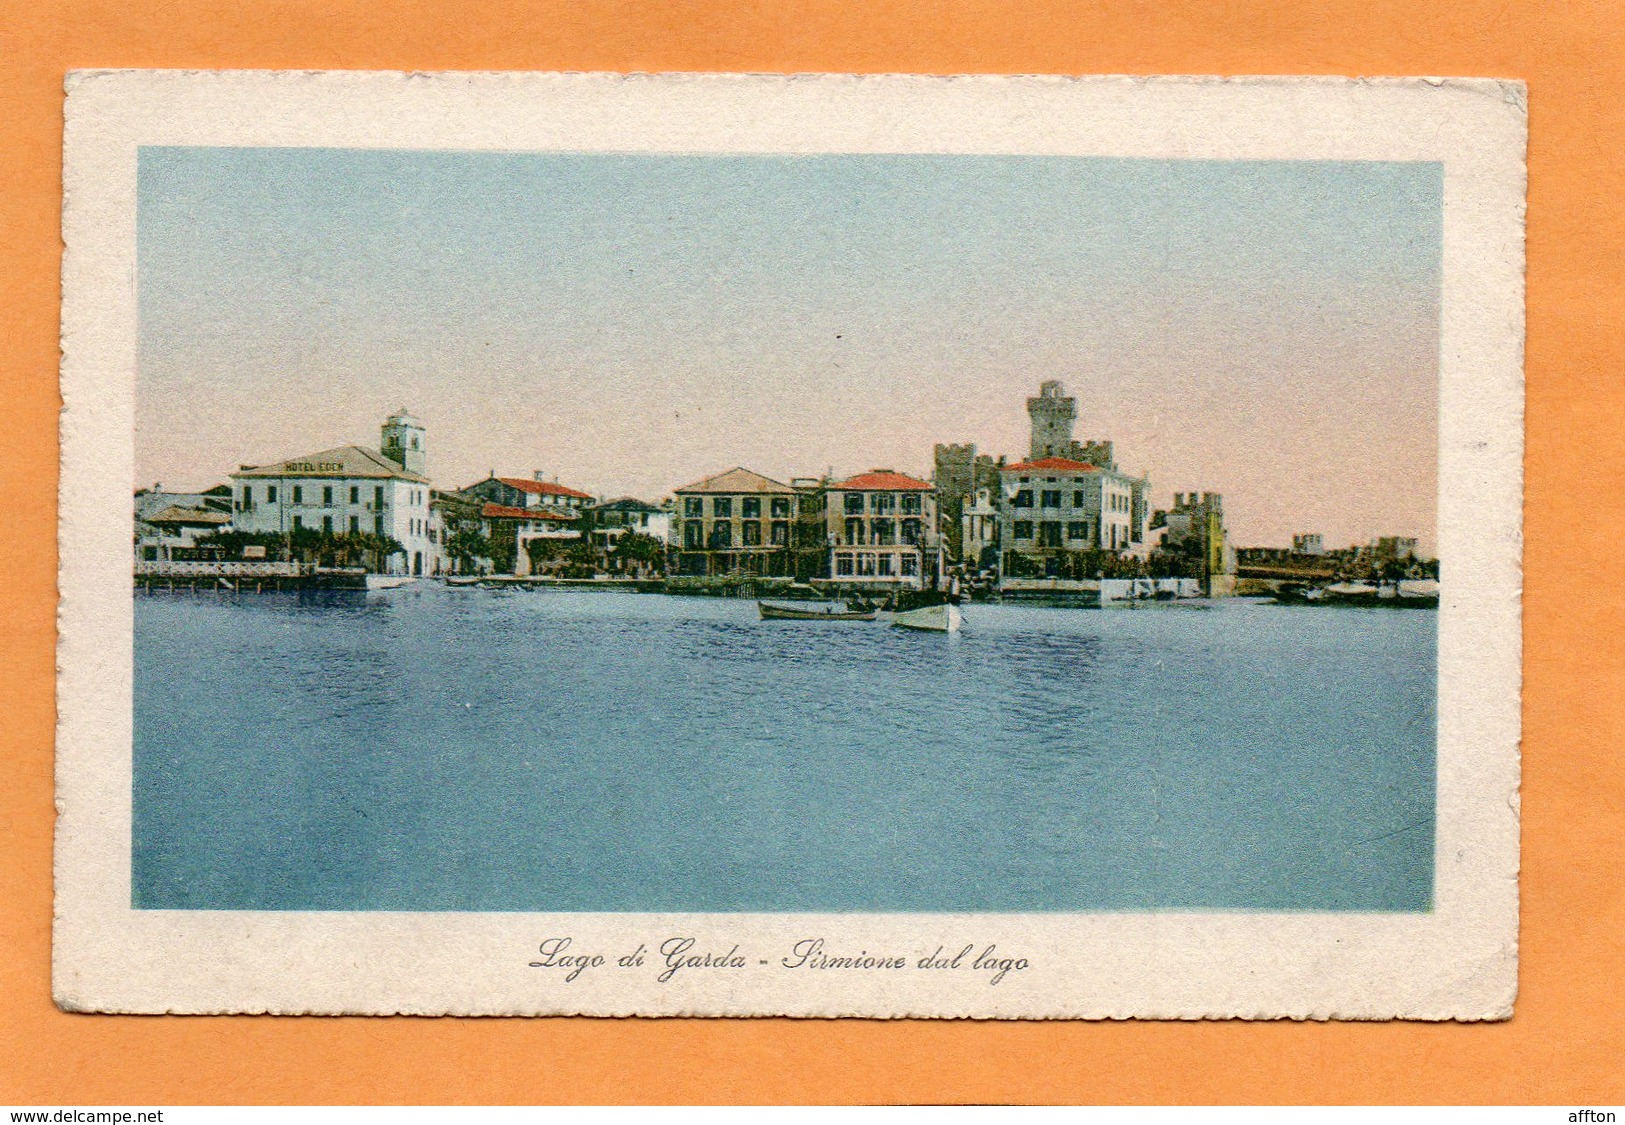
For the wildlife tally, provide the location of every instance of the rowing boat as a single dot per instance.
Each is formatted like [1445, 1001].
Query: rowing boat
[943, 618]
[772, 611]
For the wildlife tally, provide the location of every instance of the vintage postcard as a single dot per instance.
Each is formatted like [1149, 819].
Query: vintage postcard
[814, 546]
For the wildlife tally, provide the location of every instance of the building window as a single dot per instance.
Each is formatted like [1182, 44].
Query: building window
[327, 525]
[750, 508]
[884, 531]
[854, 503]
[866, 566]
[911, 566]
[377, 524]
[248, 500]
[723, 507]
[298, 523]
[298, 494]
[1023, 499]
[911, 532]
[693, 507]
[693, 536]
[843, 566]
[1023, 529]
[885, 564]
[751, 531]
[355, 494]
[1051, 498]
[1077, 498]
[781, 533]
[1051, 533]
[355, 525]
[722, 536]
[911, 503]
[781, 507]
[327, 496]
[1077, 529]
[883, 502]
[270, 494]
[854, 531]
[378, 497]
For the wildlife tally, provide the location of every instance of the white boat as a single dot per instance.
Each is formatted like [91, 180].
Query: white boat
[930, 619]
[388, 581]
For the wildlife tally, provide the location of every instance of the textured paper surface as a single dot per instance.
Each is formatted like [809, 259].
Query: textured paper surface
[1457, 961]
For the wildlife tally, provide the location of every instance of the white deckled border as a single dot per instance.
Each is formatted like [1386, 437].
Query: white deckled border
[1458, 962]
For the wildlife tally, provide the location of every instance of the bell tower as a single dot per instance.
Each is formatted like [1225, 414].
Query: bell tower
[403, 442]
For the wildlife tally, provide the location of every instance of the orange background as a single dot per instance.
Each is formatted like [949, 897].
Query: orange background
[1566, 1043]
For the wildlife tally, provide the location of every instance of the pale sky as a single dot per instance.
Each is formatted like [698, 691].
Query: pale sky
[630, 323]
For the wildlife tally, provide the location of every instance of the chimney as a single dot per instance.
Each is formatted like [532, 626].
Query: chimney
[538, 474]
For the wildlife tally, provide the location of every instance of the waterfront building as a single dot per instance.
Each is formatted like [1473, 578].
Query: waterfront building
[1308, 544]
[151, 500]
[456, 531]
[613, 519]
[537, 492]
[1056, 505]
[169, 525]
[734, 522]
[518, 512]
[809, 531]
[882, 529]
[348, 490]
[512, 531]
[611, 522]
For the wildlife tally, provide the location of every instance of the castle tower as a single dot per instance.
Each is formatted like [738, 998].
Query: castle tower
[1052, 413]
[403, 442]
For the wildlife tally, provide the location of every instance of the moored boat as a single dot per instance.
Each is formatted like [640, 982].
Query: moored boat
[777, 611]
[943, 618]
[1422, 593]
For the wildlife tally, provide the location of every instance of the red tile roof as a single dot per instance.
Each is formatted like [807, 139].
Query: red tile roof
[503, 512]
[882, 480]
[1051, 464]
[543, 488]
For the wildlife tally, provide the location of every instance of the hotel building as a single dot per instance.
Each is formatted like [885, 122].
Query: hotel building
[346, 491]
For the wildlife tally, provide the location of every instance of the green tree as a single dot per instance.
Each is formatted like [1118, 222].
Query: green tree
[466, 545]
[646, 550]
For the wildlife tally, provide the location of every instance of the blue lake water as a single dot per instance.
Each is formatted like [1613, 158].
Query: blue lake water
[439, 749]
